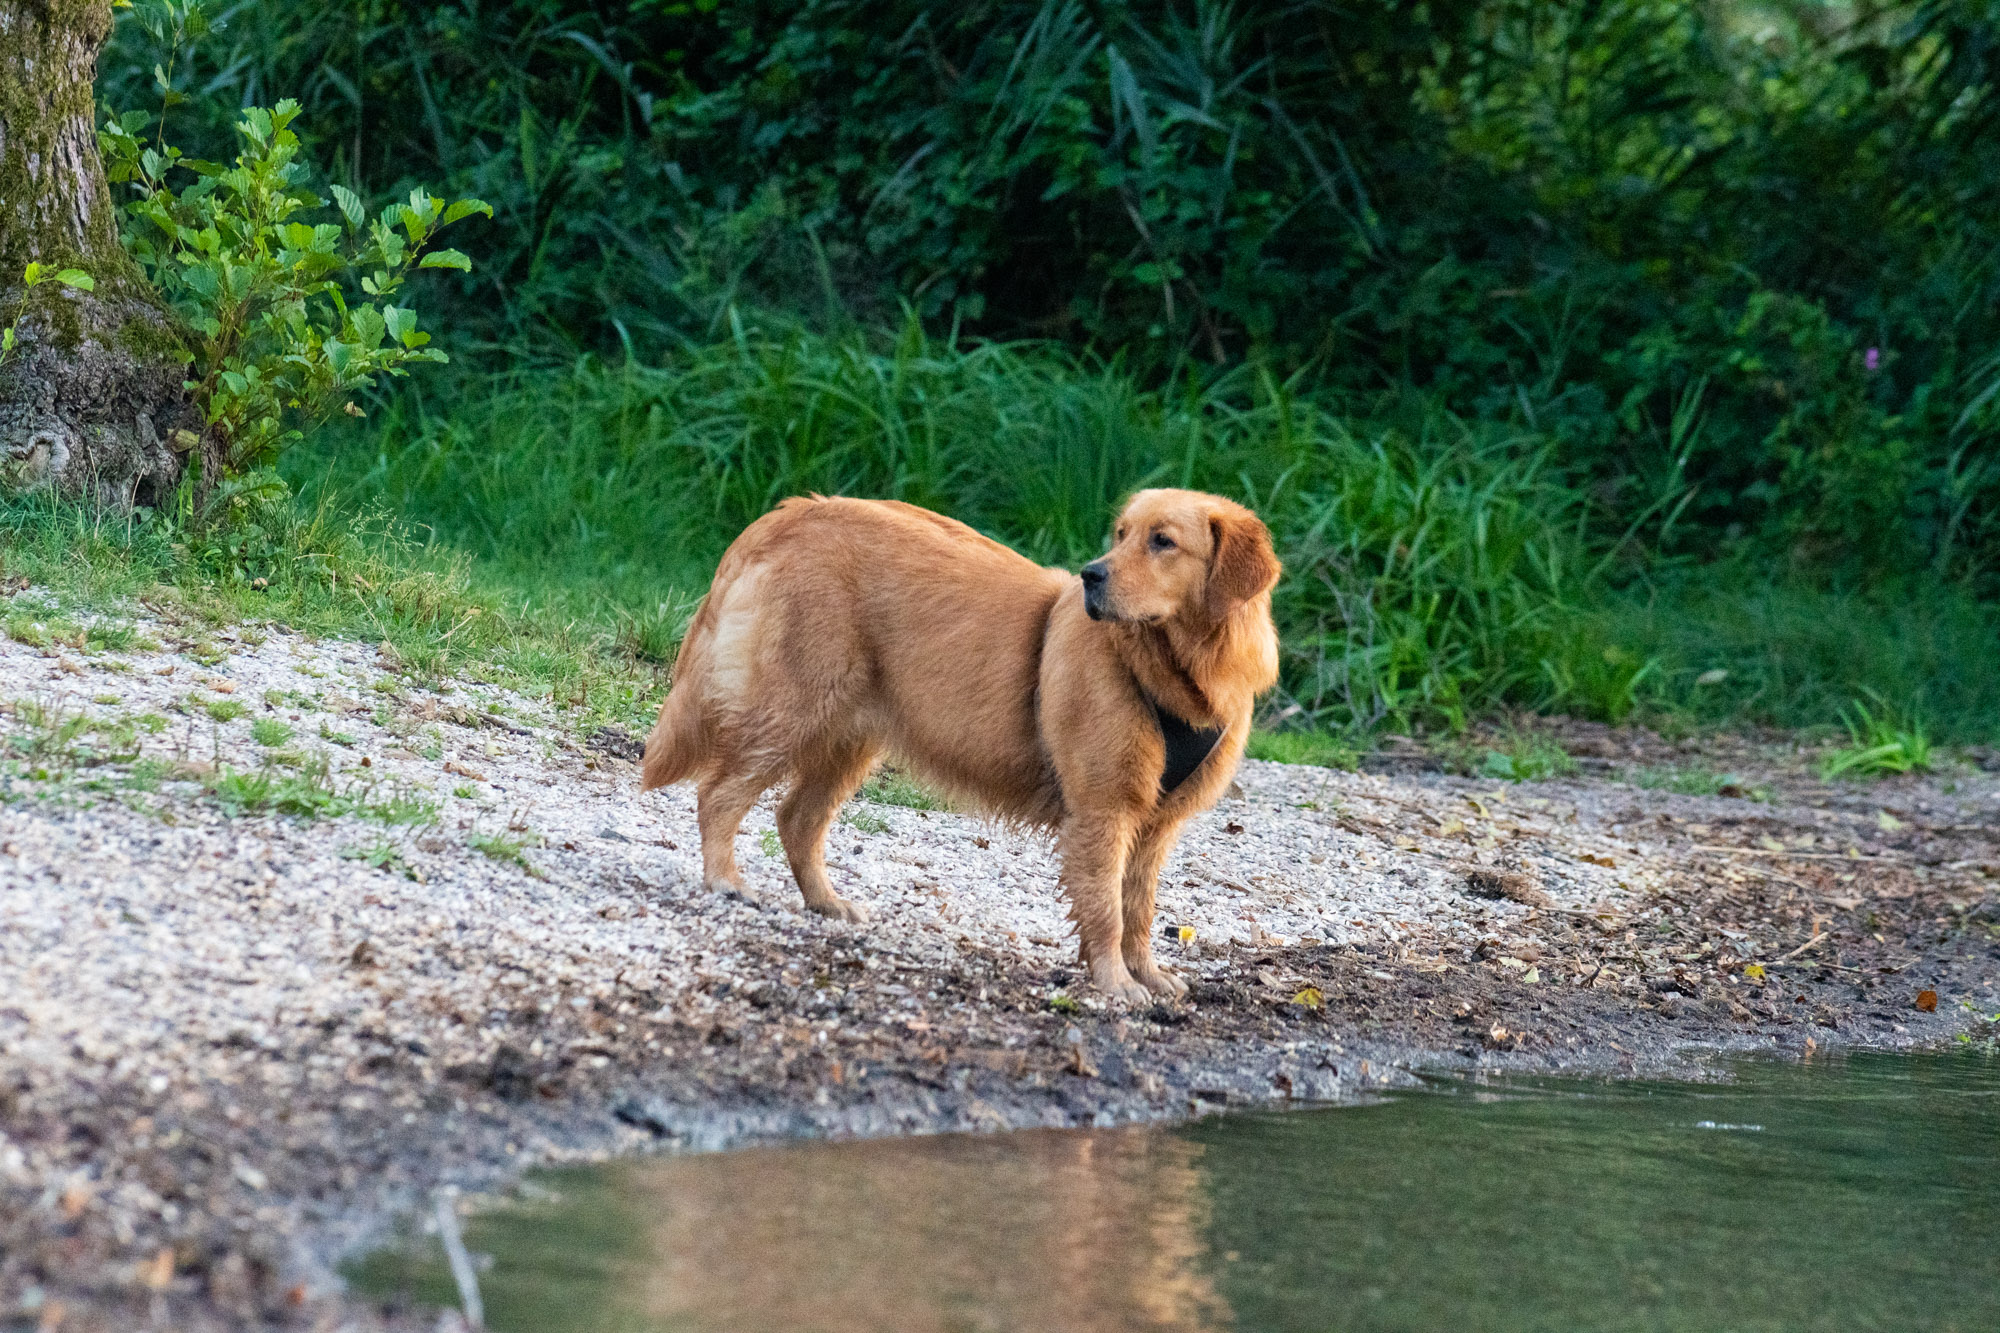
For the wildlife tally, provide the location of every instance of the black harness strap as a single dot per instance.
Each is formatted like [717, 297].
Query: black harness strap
[1187, 747]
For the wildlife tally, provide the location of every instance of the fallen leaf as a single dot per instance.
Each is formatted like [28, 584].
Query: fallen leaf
[222, 687]
[1927, 1001]
[1532, 975]
[1232, 827]
[1754, 972]
[1598, 860]
[1451, 827]
[981, 843]
[1309, 997]
[453, 766]
[1186, 934]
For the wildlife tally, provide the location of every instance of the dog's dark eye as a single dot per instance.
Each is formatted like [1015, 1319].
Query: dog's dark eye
[1118, 535]
[1162, 542]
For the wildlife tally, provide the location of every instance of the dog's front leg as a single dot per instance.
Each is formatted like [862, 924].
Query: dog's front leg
[1094, 852]
[1142, 876]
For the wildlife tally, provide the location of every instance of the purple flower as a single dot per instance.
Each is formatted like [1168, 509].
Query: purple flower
[1872, 358]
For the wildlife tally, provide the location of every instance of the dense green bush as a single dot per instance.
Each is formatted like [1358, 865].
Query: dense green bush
[1743, 253]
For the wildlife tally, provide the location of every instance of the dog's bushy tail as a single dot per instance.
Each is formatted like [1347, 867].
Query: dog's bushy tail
[678, 749]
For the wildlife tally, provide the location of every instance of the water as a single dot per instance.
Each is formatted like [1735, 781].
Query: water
[1861, 1193]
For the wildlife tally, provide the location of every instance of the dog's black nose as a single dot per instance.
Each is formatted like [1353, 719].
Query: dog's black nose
[1094, 577]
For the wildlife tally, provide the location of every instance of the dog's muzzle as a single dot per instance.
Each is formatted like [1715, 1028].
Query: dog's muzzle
[1095, 576]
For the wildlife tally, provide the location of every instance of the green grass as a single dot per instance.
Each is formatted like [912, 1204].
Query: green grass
[1880, 743]
[224, 710]
[1436, 569]
[327, 571]
[553, 530]
[313, 792]
[1304, 747]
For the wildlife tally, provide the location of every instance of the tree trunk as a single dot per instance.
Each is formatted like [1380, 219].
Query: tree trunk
[92, 397]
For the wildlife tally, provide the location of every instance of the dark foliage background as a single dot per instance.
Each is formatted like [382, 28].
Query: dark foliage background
[1780, 222]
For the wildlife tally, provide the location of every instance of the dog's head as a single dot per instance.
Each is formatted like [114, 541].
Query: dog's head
[1180, 555]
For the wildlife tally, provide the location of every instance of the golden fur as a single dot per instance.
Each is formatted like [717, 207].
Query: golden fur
[838, 630]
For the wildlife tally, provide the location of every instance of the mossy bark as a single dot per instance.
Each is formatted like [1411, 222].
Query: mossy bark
[92, 397]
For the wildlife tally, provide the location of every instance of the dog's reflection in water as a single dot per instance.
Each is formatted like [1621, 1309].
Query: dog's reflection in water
[1046, 1230]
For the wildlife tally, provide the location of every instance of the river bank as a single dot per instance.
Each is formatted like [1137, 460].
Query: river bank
[288, 939]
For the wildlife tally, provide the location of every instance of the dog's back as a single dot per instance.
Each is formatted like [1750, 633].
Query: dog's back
[836, 623]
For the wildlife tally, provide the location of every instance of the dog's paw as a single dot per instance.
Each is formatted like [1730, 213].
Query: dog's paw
[1121, 986]
[1164, 984]
[734, 891]
[841, 909]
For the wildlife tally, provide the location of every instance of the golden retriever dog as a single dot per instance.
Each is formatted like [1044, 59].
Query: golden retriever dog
[1108, 706]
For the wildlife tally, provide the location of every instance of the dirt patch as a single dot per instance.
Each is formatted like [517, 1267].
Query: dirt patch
[271, 972]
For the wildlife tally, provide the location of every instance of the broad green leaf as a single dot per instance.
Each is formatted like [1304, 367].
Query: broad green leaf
[350, 205]
[76, 277]
[446, 259]
[32, 275]
[401, 323]
[7, 339]
[464, 207]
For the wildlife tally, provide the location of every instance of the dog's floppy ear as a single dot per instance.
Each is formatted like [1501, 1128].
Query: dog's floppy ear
[1242, 564]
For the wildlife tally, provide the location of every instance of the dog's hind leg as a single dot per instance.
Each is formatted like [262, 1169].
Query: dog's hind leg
[1142, 877]
[823, 782]
[720, 804]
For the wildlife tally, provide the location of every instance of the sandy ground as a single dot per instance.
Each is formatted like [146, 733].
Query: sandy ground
[235, 1040]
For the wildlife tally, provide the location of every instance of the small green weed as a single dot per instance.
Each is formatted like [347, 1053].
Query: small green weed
[1526, 758]
[1316, 748]
[312, 792]
[892, 786]
[42, 631]
[385, 856]
[51, 742]
[463, 791]
[861, 821]
[269, 732]
[502, 847]
[117, 637]
[1881, 742]
[1062, 1003]
[224, 710]
[769, 844]
[333, 737]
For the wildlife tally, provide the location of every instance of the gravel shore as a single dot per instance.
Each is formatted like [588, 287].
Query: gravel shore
[289, 939]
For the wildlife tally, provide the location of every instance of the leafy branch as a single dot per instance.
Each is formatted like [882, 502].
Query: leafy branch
[278, 342]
